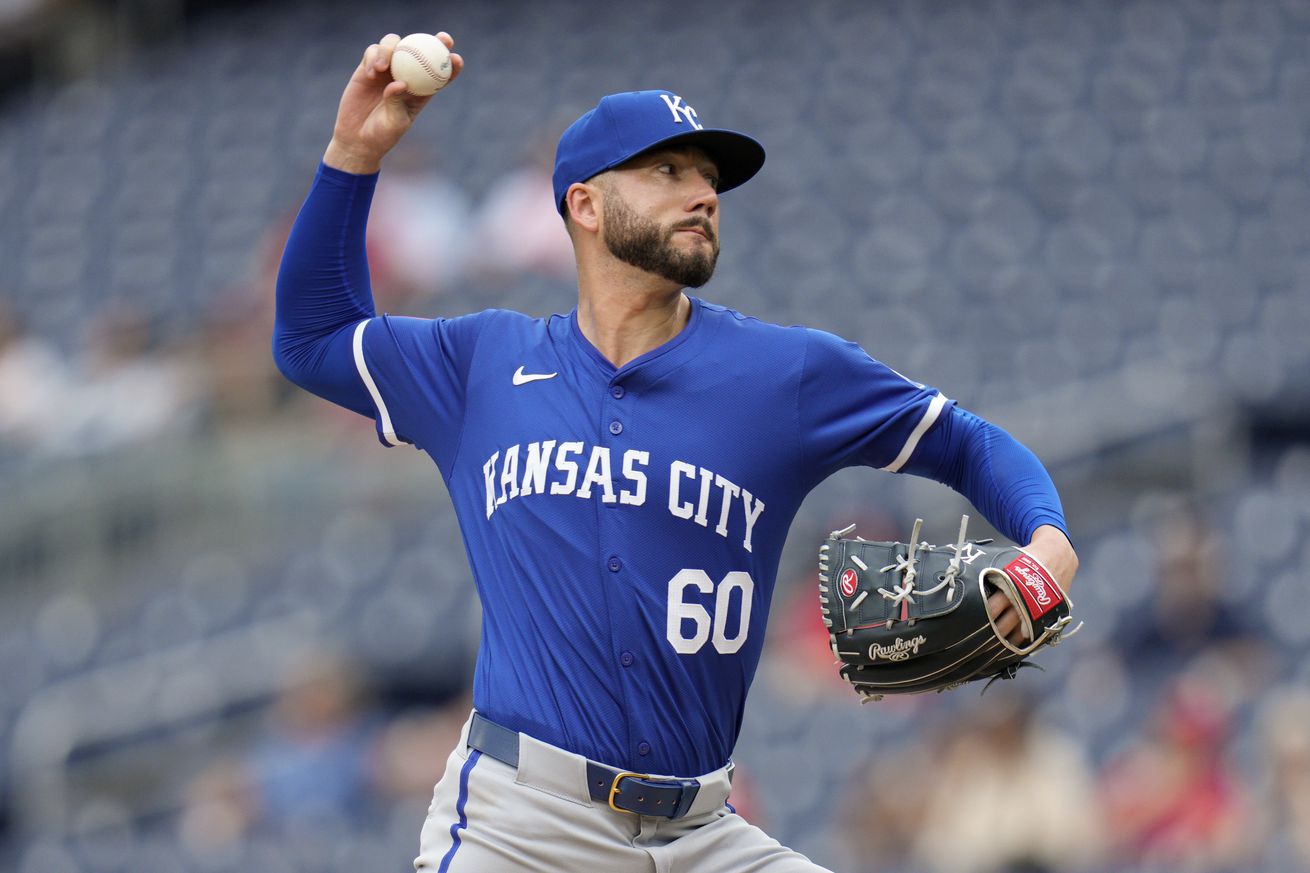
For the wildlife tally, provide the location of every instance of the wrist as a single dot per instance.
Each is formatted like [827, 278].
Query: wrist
[351, 160]
[1052, 535]
[1052, 547]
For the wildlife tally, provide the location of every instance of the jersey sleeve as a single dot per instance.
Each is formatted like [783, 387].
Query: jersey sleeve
[855, 410]
[416, 373]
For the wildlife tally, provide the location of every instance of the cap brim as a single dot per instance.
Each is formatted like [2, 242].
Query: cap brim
[737, 156]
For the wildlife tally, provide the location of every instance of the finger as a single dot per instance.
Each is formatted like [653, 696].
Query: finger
[446, 38]
[370, 56]
[398, 94]
[386, 46]
[1007, 623]
[1005, 618]
[395, 90]
[456, 65]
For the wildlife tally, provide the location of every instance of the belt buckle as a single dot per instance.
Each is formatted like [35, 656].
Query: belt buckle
[614, 789]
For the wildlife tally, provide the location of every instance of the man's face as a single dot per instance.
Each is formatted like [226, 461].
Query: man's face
[662, 215]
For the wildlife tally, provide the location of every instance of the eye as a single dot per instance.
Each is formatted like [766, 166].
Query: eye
[668, 169]
[713, 180]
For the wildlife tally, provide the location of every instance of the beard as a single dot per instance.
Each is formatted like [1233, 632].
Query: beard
[646, 245]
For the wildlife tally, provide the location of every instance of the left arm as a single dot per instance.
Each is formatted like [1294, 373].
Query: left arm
[1007, 483]
[1003, 479]
[853, 409]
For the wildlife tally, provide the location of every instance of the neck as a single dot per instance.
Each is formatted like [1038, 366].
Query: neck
[626, 313]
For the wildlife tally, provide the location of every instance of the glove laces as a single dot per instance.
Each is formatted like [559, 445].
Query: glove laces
[904, 564]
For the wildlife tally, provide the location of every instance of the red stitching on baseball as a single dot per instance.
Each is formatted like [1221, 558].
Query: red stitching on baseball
[423, 61]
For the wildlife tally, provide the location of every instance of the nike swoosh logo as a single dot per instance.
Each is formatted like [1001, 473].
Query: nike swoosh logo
[522, 378]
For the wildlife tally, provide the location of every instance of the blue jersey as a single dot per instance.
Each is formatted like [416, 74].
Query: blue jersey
[623, 525]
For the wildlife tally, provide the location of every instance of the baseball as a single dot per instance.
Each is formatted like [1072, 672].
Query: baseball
[422, 62]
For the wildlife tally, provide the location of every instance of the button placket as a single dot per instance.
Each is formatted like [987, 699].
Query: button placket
[613, 563]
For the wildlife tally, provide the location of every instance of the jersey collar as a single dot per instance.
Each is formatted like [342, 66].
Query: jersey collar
[661, 353]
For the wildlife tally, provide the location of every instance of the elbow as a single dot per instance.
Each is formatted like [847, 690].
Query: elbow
[288, 362]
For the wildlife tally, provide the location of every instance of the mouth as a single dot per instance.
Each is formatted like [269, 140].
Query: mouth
[696, 230]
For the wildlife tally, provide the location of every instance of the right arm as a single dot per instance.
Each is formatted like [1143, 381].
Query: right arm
[323, 288]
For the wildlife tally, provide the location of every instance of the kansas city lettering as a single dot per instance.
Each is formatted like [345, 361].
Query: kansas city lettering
[571, 468]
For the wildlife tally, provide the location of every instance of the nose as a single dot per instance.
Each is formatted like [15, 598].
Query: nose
[705, 200]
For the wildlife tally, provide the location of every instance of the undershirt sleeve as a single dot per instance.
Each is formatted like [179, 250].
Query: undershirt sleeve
[993, 470]
[323, 290]
[408, 374]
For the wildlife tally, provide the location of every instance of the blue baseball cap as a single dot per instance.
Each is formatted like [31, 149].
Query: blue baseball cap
[624, 125]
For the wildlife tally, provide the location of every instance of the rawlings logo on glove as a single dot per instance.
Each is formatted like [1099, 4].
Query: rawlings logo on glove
[912, 617]
[897, 651]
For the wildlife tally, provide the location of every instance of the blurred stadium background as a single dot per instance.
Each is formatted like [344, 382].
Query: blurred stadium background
[236, 634]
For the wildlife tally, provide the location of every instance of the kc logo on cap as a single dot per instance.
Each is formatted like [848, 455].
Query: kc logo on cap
[680, 110]
[624, 125]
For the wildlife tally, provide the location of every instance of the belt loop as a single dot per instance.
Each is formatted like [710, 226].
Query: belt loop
[491, 739]
[690, 789]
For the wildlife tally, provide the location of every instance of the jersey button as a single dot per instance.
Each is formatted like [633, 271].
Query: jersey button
[616, 427]
[626, 659]
[617, 392]
[643, 748]
[615, 564]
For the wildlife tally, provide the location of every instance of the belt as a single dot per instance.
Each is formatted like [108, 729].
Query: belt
[623, 791]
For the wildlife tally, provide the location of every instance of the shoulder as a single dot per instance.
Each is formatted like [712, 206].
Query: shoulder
[500, 321]
[750, 324]
[810, 347]
[818, 345]
[504, 319]
[748, 328]
[458, 337]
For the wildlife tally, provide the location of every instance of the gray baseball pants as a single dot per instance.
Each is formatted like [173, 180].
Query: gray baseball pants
[489, 817]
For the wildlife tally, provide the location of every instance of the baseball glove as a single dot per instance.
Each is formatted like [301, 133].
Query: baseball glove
[910, 618]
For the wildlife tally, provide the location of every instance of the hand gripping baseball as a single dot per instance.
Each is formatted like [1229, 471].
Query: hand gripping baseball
[376, 110]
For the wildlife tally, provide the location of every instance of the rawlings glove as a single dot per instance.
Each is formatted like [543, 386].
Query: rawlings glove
[910, 618]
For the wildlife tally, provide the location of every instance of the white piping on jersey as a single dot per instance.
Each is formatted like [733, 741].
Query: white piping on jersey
[934, 410]
[388, 433]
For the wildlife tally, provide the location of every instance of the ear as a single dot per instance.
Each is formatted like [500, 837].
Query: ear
[583, 204]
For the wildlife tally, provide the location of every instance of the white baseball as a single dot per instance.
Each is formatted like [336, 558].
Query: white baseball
[422, 62]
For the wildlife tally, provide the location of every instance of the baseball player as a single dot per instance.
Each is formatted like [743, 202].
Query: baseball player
[624, 477]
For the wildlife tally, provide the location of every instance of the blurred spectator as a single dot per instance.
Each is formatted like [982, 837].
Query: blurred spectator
[328, 759]
[1284, 725]
[417, 229]
[313, 767]
[1186, 617]
[413, 748]
[986, 789]
[1172, 799]
[517, 229]
[129, 391]
[232, 349]
[1007, 793]
[317, 759]
[885, 812]
[34, 386]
